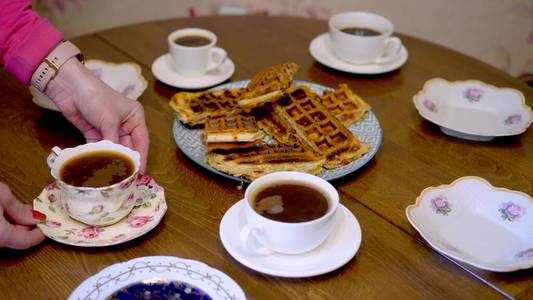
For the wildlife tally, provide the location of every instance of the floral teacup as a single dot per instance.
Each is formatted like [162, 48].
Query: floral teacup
[97, 206]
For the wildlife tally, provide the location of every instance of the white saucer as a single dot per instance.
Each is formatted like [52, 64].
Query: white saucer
[338, 249]
[147, 213]
[321, 50]
[164, 72]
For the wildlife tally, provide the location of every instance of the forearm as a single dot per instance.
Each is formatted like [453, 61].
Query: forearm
[25, 38]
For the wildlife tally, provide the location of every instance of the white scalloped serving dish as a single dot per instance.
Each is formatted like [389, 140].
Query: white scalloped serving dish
[125, 78]
[474, 222]
[472, 109]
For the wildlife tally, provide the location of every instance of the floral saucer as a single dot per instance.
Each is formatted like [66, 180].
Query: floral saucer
[474, 222]
[320, 49]
[472, 109]
[125, 78]
[163, 70]
[147, 213]
[164, 277]
[336, 251]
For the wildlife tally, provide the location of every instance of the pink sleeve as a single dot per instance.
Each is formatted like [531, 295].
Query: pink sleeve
[25, 38]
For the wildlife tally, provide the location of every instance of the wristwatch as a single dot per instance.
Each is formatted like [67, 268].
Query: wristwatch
[48, 69]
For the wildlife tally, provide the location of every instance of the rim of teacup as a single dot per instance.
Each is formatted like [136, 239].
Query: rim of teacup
[324, 186]
[183, 31]
[132, 154]
[388, 32]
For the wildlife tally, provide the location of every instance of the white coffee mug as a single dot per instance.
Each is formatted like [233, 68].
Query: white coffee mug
[195, 61]
[357, 49]
[261, 235]
[96, 206]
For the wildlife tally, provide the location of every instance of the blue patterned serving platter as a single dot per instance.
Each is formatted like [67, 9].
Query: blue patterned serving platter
[159, 277]
[189, 140]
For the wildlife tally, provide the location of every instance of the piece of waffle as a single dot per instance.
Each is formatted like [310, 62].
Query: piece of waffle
[231, 128]
[264, 159]
[345, 104]
[273, 125]
[268, 85]
[194, 108]
[316, 127]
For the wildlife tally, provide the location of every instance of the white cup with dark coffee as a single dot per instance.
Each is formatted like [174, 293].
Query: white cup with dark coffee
[363, 38]
[96, 181]
[193, 51]
[288, 212]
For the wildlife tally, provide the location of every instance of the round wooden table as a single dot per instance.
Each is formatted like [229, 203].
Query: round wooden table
[393, 261]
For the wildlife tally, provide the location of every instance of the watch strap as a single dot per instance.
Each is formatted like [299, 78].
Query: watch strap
[51, 64]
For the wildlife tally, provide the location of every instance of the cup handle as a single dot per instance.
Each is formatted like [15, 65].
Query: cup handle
[250, 243]
[393, 45]
[217, 56]
[50, 160]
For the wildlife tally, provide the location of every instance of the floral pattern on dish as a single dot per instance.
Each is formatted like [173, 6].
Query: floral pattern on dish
[441, 205]
[430, 105]
[526, 254]
[60, 227]
[473, 94]
[511, 212]
[513, 119]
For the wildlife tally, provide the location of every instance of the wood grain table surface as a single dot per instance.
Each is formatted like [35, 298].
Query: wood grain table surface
[392, 262]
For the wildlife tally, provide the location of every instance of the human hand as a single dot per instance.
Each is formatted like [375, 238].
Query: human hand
[17, 222]
[98, 111]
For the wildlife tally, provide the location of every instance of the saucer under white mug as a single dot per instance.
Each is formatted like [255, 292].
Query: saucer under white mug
[338, 249]
[163, 70]
[149, 209]
[321, 50]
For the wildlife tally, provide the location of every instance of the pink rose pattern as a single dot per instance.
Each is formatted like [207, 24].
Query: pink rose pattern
[138, 221]
[96, 209]
[52, 186]
[143, 180]
[430, 105]
[513, 119]
[511, 212]
[91, 232]
[126, 184]
[526, 254]
[441, 205]
[127, 90]
[473, 94]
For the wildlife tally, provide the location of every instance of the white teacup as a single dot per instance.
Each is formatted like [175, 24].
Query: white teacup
[195, 61]
[356, 49]
[96, 206]
[262, 235]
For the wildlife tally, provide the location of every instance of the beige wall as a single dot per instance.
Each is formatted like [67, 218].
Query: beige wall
[499, 32]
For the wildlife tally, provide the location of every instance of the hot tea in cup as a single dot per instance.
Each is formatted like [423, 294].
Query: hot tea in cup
[288, 212]
[96, 181]
[363, 37]
[193, 51]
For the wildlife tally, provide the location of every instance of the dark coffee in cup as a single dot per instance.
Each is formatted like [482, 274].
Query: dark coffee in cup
[290, 202]
[96, 169]
[192, 41]
[361, 31]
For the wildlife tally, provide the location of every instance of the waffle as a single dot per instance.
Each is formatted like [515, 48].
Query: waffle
[317, 128]
[231, 128]
[273, 125]
[265, 159]
[345, 104]
[194, 108]
[268, 85]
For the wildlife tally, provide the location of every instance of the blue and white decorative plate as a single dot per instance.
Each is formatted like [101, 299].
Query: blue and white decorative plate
[159, 277]
[189, 140]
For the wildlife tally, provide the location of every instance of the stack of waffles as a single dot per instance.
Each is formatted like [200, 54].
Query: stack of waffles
[270, 126]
